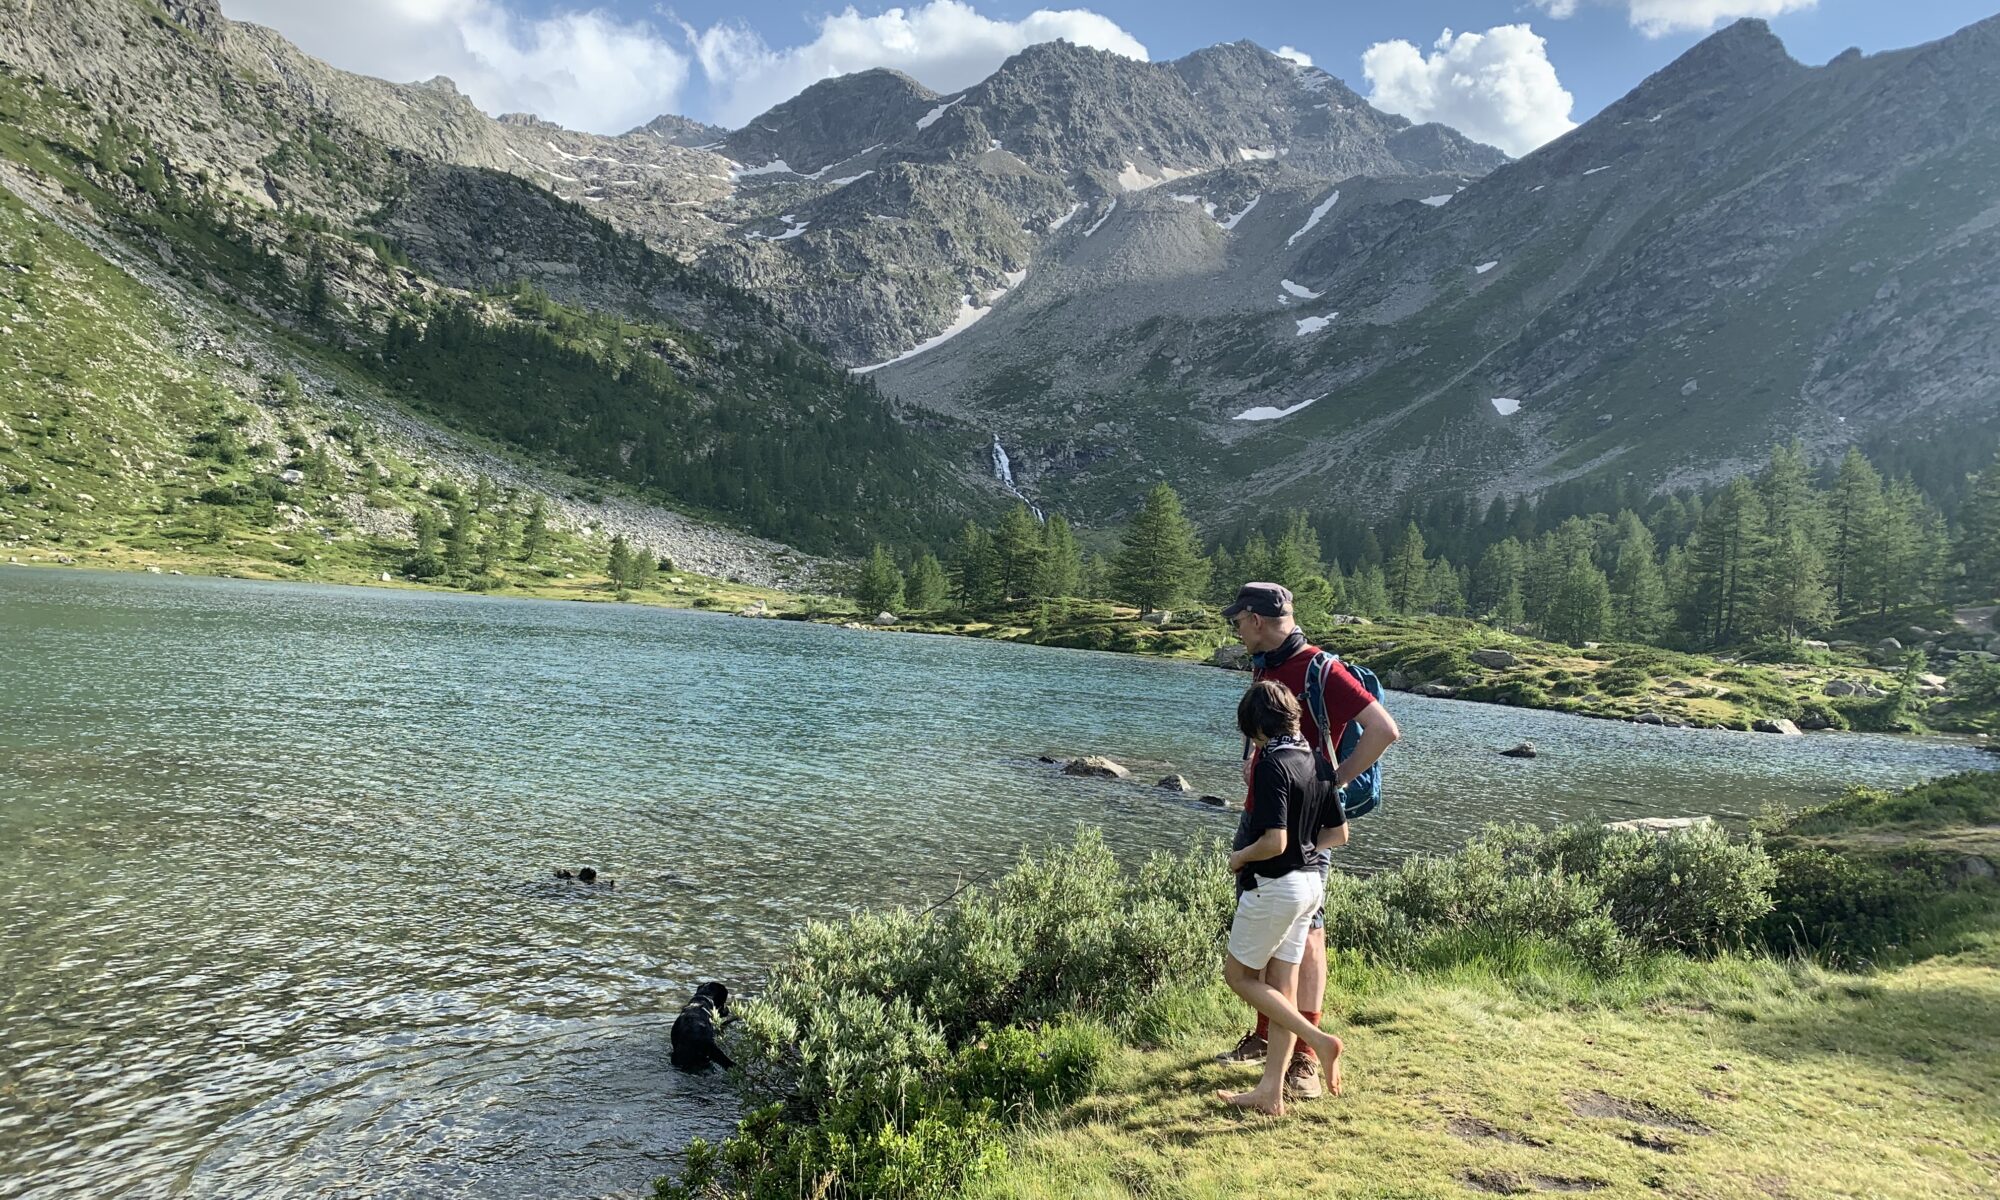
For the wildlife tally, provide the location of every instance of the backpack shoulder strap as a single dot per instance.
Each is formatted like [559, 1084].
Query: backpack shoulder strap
[1315, 698]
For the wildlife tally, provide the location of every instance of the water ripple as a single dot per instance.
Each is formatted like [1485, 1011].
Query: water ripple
[275, 897]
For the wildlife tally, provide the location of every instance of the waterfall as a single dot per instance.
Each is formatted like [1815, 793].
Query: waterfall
[1003, 470]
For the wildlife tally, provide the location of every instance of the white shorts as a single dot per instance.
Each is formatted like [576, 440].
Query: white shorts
[1272, 919]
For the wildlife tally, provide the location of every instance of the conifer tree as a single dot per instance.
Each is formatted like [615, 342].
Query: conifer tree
[926, 588]
[1407, 574]
[1579, 601]
[976, 581]
[1495, 594]
[1442, 594]
[1161, 562]
[1096, 583]
[427, 529]
[1223, 576]
[535, 535]
[1979, 533]
[460, 536]
[1853, 511]
[1059, 566]
[1638, 590]
[1725, 564]
[879, 588]
[1295, 556]
[1795, 595]
[1368, 592]
[1017, 551]
[1254, 564]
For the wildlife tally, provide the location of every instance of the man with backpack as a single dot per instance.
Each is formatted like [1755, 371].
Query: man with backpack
[1343, 721]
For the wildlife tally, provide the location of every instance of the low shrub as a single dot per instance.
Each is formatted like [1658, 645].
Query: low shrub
[1967, 798]
[1698, 891]
[1846, 911]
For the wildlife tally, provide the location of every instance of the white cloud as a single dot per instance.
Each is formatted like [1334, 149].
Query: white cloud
[584, 69]
[1658, 18]
[1298, 56]
[1498, 87]
[945, 44]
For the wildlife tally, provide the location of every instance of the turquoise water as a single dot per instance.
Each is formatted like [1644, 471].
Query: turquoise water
[275, 904]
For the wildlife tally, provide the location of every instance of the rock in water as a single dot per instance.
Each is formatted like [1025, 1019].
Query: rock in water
[1496, 660]
[1219, 802]
[1524, 750]
[1095, 766]
[1232, 657]
[1649, 718]
[1779, 725]
[1436, 690]
[1176, 783]
[885, 618]
[1660, 825]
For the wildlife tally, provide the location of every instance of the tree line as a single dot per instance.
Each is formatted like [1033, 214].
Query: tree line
[1783, 552]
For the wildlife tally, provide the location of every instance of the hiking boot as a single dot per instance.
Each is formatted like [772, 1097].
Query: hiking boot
[1250, 1050]
[1302, 1078]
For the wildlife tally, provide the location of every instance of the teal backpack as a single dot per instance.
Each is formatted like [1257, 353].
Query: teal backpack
[1364, 794]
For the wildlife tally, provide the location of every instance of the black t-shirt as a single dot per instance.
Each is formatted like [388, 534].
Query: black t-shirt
[1287, 790]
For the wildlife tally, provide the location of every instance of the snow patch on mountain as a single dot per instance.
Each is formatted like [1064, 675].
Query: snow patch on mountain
[1438, 201]
[968, 316]
[1484, 267]
[1230, 222]
[1299, 290]
[1267, 413]
[1099, 223]
[1325, 207]
[1506, 406]
[1063, 220]
[1315, 324]
[930, 118]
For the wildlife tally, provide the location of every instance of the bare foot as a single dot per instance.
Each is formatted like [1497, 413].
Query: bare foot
[1254, 1100]
[1329, 1064]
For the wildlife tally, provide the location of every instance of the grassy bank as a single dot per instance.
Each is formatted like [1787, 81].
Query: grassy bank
[1617, 682]
[1576, 1010]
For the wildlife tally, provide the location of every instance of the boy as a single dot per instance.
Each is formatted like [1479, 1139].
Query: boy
[1278, 887]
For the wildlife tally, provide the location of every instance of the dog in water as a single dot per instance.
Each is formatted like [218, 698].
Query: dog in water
[695, 1029]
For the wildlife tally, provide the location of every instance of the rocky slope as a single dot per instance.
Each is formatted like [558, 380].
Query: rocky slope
[460, 295]
[1743, 249]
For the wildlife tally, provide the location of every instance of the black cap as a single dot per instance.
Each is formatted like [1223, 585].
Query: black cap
[1264, 599]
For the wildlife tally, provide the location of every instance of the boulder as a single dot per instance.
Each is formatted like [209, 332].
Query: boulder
[1044, 758]
[1395, 680]
[1779, 725]
[383, 577]
[1524, 750]
[1815, 720]
[1347, 619]
[1889, 646]
[885, 618]
[1436, 690]
[1497, 660]
[1969, 868]
[152, 570]
[1235, 805]
[1232, 657]
[1649, 718]
[292, 475]
[1660, 825]
[1840, 687]
[1095, 766]
[1810, 644]
[1917, 633]
[1175, 783]
[1160, 617]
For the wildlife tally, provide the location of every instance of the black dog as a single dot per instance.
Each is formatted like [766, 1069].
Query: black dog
[694, 1030]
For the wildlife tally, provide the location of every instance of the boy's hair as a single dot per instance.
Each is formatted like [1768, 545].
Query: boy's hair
[1267, 710]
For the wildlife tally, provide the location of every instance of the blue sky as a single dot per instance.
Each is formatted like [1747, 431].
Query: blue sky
[609, 64]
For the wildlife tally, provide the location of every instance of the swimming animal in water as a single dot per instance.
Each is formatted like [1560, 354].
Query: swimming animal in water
[694, 1032]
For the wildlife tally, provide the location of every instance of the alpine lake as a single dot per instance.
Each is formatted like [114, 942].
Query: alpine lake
[277, 911]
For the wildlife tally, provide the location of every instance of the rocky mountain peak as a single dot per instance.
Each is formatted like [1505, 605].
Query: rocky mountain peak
[203, 17]
[833, 120]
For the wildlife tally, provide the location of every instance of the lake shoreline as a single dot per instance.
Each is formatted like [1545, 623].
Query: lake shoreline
[1121, 632]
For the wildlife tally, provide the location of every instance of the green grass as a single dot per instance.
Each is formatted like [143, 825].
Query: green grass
[1737, 1078]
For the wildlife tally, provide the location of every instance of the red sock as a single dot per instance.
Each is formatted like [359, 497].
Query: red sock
[1312, 1018]
[1263, 1027]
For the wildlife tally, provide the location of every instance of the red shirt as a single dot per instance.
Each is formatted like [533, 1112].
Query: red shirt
[1345, 697]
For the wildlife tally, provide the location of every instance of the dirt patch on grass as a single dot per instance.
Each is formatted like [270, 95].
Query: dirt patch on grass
[1496, 1183]
[1557, 1183]
[1651, 1141]
[1600, 1106]
[1472, 1129]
